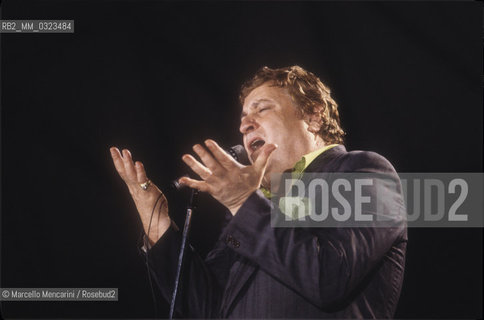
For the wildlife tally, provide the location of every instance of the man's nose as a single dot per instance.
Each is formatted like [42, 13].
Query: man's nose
[248, 124]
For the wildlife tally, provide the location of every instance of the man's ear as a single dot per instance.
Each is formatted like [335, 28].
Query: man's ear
[314, 120]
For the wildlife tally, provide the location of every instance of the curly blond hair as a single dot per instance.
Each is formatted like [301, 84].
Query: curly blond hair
[307, 91]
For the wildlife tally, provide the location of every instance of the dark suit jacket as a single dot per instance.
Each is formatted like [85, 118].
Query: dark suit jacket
[256, 271]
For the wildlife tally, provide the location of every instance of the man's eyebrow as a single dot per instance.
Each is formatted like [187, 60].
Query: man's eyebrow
[254, 105]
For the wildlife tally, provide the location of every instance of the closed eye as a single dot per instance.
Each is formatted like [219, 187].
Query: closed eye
[264, 109]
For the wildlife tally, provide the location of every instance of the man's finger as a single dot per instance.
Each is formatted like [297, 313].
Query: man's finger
[118, 161]
[195, 184]
[207, 158]
[129, 165]
[140, 172]
[222, 157]
[261, 162]
[197, 167]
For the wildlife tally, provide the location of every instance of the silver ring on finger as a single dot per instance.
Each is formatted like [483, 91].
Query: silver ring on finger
[145, 185]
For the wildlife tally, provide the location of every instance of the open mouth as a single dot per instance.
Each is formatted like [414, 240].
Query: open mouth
[256, 144]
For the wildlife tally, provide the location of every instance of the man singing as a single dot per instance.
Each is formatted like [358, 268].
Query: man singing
[289, 123]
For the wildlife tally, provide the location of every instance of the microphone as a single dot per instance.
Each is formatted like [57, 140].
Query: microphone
[237, 152]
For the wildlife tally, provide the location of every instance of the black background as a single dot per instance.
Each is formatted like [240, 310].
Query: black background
[158, 77]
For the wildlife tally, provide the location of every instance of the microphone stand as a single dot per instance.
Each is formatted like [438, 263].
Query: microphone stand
[239, 154]
[190, 207]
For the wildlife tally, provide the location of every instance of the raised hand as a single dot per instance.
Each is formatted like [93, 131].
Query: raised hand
[228, 181]
[134, 175]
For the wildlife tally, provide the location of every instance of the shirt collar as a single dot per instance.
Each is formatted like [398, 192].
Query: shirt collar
[306, 160]
[302, 165]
